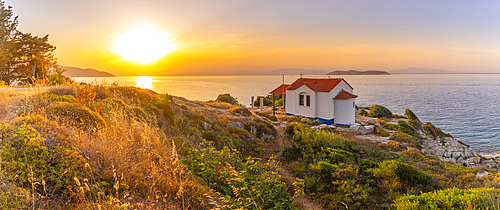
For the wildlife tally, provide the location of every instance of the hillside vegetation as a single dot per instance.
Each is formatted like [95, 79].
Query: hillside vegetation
[111, 147]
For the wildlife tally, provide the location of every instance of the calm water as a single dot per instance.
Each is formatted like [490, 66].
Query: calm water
[464, 105]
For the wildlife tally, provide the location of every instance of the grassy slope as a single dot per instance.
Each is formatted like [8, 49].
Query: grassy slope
[118, 147]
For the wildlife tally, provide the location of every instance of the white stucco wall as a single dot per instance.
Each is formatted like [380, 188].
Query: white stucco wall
[325, 106]
[307, 111]
[344, 111]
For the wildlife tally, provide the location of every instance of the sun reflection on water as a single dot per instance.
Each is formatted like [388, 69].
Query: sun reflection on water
[144, 82]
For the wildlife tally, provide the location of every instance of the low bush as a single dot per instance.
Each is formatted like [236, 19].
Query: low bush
[279, 103]
[261, 129]
[268, 116]
[240, 184]
[59, 79]
[406, 138]
[406, 128]
[308, 121]
[381, 132]
[242, 111]
[401, 176]
[479, 198]
[413, 119]
[226, 98]
[267, 101]
[63, 98]
[29, 158]
[363, 112]
[435, 132]
[391, 126]
[218, 104]
[75, 115]
[379, 111]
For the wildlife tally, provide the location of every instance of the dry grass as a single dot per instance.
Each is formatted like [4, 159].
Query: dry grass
[133, 162]
[218, 104]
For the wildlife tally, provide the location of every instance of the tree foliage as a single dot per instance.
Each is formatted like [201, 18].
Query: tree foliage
[24, 58]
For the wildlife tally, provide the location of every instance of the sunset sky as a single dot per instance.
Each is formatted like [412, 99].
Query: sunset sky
[254, 35]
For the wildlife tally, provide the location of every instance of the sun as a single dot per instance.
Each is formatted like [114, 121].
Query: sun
[143, 44]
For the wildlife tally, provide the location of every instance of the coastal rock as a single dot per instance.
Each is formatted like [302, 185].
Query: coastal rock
[450, 149]
[365, 121]
[236, 124]
[355, 127]
[360, 129]
[482, 173]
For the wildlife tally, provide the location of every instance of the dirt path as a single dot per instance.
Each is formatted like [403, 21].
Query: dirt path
[304, 201]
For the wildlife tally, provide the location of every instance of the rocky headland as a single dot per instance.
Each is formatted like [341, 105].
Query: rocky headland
[431, 140]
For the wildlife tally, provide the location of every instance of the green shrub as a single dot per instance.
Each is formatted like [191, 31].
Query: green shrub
[405, 127]
[415, 155]
[182, 146]
[75, 114]
[14, 197]
[227, 99]
[308, 121]
[406, 138]
[27, 159]
[261, 128]
[59, 79]
[240, 184]
[413, 119]
[242, 111]
[363, 112]
[479, 198]
[183, 106]
[279, 103]
[64, 98]
[433, 131]
[381, 132]
[163, 102]
[113, 107]
[138, 113]
[329, 129]
[391, 126]
[268, 116]
[379, 111]
[400, 175]
[267, 101]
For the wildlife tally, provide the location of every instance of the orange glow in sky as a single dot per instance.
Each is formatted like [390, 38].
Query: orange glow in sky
[143, 45]
[213, 37]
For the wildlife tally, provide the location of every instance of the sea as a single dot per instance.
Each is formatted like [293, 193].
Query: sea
[465, 105]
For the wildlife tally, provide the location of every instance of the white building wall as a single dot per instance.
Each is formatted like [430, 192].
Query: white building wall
[344, 111]
[289, 101]
[307, 111]
[325, 106]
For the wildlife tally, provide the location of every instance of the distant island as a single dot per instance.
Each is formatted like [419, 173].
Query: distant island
[358, 72]
[79, 72]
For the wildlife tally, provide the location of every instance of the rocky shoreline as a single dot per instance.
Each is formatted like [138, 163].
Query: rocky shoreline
[433, 141]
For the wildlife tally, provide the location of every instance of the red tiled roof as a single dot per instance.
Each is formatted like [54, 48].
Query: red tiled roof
[280, 90]
[319, 85]
[344, 95]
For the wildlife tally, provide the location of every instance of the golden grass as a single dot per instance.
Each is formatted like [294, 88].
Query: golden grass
[134, 163]
[218, 104]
